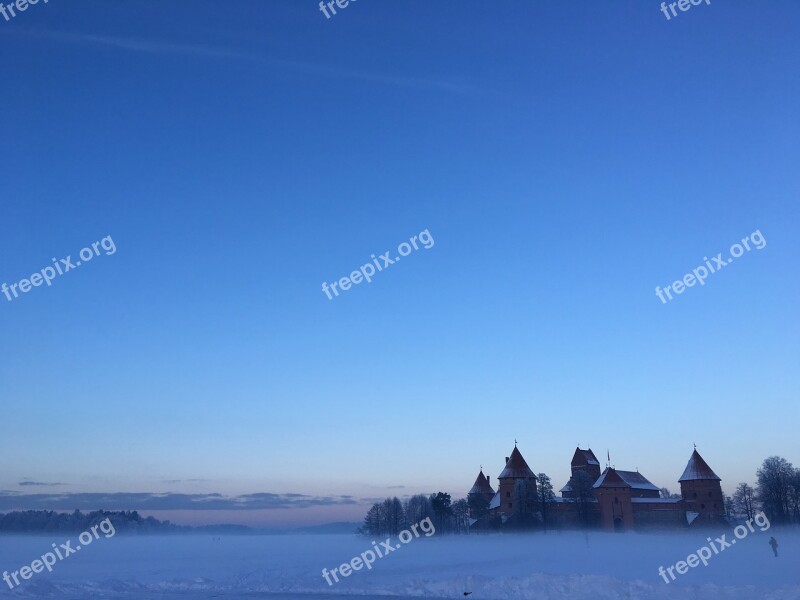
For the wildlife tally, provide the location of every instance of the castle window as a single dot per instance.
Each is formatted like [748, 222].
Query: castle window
[694, 495]
[508, 494]
[702, 506]
[616, 500]
[510, 505]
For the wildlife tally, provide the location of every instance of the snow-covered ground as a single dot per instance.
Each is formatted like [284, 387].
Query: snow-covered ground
[552, 566]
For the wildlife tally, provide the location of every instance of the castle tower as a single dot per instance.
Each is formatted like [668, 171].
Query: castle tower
[613, 495]
[479, 496]
[516, 469]
[701, 491]
[586, 461]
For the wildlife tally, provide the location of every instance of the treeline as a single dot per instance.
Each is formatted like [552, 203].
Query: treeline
[392, 516]
[777, 493]
[535, 507]
[31, 521]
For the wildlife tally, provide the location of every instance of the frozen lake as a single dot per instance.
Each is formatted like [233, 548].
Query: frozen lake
[552, 566]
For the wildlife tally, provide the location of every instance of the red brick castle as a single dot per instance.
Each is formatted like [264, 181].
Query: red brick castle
[614, 500]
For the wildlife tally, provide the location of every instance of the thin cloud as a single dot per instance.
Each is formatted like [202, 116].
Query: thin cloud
[139, 45]
[203, 51]
[39, 483]
[173, 481]
[395, 80]
[153, 501]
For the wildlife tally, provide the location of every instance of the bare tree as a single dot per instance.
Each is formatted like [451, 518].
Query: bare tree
[744, 501]
[418, 508]
[665, 493]
[385, 518]
[775, 477]
[461, 516]
[727, 506]
[394, 516]
[794, 496]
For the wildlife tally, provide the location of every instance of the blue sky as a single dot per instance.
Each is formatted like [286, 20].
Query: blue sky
[567, 158]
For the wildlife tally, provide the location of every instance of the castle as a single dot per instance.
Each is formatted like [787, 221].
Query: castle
[614, 500]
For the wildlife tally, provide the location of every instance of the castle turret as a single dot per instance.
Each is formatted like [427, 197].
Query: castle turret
[613, 495]
[701, 491]
[516, 469]
[586, 461]
[479, 496]
[482, 487]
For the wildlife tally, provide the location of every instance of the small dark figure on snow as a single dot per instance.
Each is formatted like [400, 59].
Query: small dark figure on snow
[774, 543]
[467, 593]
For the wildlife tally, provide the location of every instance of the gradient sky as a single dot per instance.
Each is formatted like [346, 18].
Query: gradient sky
[566, 157]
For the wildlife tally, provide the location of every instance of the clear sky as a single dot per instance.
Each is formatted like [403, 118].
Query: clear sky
[566, 158]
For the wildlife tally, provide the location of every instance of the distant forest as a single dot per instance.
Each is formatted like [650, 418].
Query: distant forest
[131, 522]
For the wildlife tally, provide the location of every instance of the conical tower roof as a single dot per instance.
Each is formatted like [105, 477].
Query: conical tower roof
[482, 485]
[697, 469]
[516, 467]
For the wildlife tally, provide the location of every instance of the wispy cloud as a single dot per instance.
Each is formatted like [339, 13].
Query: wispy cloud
[28, 482]
[139, 45]
[388, 79]
[168, 501]
[207, 51]
[174, 481]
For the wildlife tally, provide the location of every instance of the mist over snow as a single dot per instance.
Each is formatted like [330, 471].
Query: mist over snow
[542, 566]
